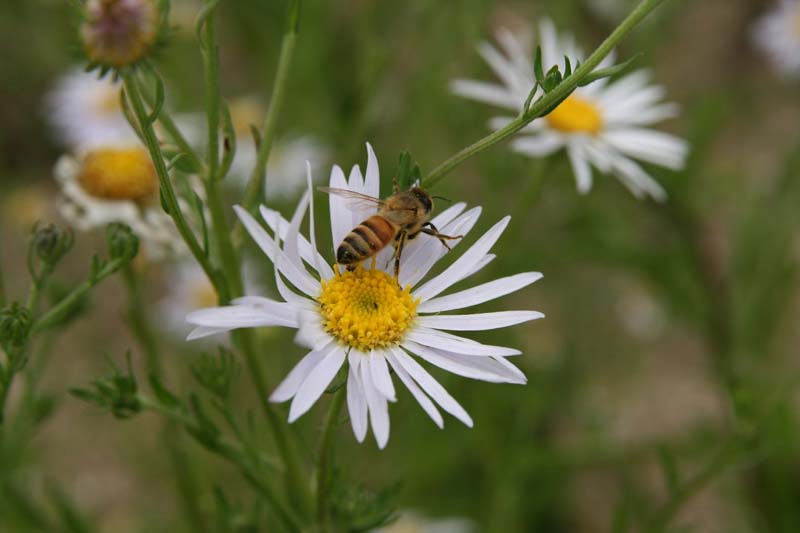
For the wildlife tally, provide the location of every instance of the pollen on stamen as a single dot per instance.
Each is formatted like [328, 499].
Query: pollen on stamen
[366, 309]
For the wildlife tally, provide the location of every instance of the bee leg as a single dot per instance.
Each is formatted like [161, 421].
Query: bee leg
[432, 231]
[395, 185]
[398, 251]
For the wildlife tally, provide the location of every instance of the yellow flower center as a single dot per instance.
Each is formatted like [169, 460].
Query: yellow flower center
[576, 115]
[366, 309]
[118, 174]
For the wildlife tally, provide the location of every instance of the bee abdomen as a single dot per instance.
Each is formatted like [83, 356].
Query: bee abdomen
[365, 240]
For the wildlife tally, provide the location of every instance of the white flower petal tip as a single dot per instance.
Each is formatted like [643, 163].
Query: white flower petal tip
[602, 125]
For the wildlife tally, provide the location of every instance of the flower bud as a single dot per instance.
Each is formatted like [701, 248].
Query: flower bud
[15, 325]
[51, 243]
[118, 33]
[122, 242]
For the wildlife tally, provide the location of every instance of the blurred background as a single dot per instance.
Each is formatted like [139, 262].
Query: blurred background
[661, 384]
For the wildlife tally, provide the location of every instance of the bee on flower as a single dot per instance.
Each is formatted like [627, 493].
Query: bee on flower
[371, 320]
[777, 35]
[116, 184]
[605, 124]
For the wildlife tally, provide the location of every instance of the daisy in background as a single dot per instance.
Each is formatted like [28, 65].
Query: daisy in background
[84, 112]
[371, 320]
[604, 124]
[777, 35]
[286, 175]
[116, 184]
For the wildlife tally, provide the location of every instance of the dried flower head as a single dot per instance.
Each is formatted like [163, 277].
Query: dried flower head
[119, 33]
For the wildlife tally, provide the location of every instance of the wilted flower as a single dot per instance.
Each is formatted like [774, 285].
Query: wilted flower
[116, 184]
[777, 34]
[119, 33]
[601, 125]
[84, 112]
[371, 319]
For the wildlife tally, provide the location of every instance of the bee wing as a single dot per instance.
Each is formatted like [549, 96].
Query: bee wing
[355, 200]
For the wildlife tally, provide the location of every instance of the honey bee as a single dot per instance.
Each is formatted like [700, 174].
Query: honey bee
[400, 218]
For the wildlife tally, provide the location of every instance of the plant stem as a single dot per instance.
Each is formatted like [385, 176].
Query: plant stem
[57, 312]
[167, 192]
[227, 254]
[546, 102]
[323, 468]
[232, 453]
[255, 185]
[294, 473]
[140, 325]
[2, 284]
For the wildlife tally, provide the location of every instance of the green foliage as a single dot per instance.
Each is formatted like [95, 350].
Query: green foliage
[117, 392]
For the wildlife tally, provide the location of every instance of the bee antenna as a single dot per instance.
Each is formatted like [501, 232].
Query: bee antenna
[448, 200]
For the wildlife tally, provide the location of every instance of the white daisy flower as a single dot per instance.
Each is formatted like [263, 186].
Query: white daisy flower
[777, 34]
[602, 125]
[116, 184]
[84, 112]
[372, 320]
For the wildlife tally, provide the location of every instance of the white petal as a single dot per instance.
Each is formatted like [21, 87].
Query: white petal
[316, 382]
[288, 387]
[478, 321]
[636, 179]
[308, 252]
[340, 214]
[538, 145]
[482, 368]
[422, 399]
[242, 316]
[372, 183]
[317, 261]
[431, 386]
[203, 331]
[489, 93]
[307, 283]
[463, 264]
[301, 280]
[430, 250]
[488, 258]
[453, 343]
[649, 145]
[380, 375]
[580, 166]
[504, 70]
[480, 293]
[378, 408]
[356, 400]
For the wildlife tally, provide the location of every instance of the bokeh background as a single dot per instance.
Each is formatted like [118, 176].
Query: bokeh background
[661, 384]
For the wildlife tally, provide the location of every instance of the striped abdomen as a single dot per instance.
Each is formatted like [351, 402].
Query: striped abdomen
[366, 239]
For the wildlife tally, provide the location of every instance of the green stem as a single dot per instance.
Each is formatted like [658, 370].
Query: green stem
[323, 467]
[255, 185]
[233, 453]
[211, 69]
[716, 466]
[140, 325]
[294, 472]
[227, 253]
[546, 102]
[172, 129]
[2, 284]
[57, 312]
[167, 192]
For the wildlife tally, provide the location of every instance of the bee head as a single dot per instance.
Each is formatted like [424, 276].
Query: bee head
[424, 198]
